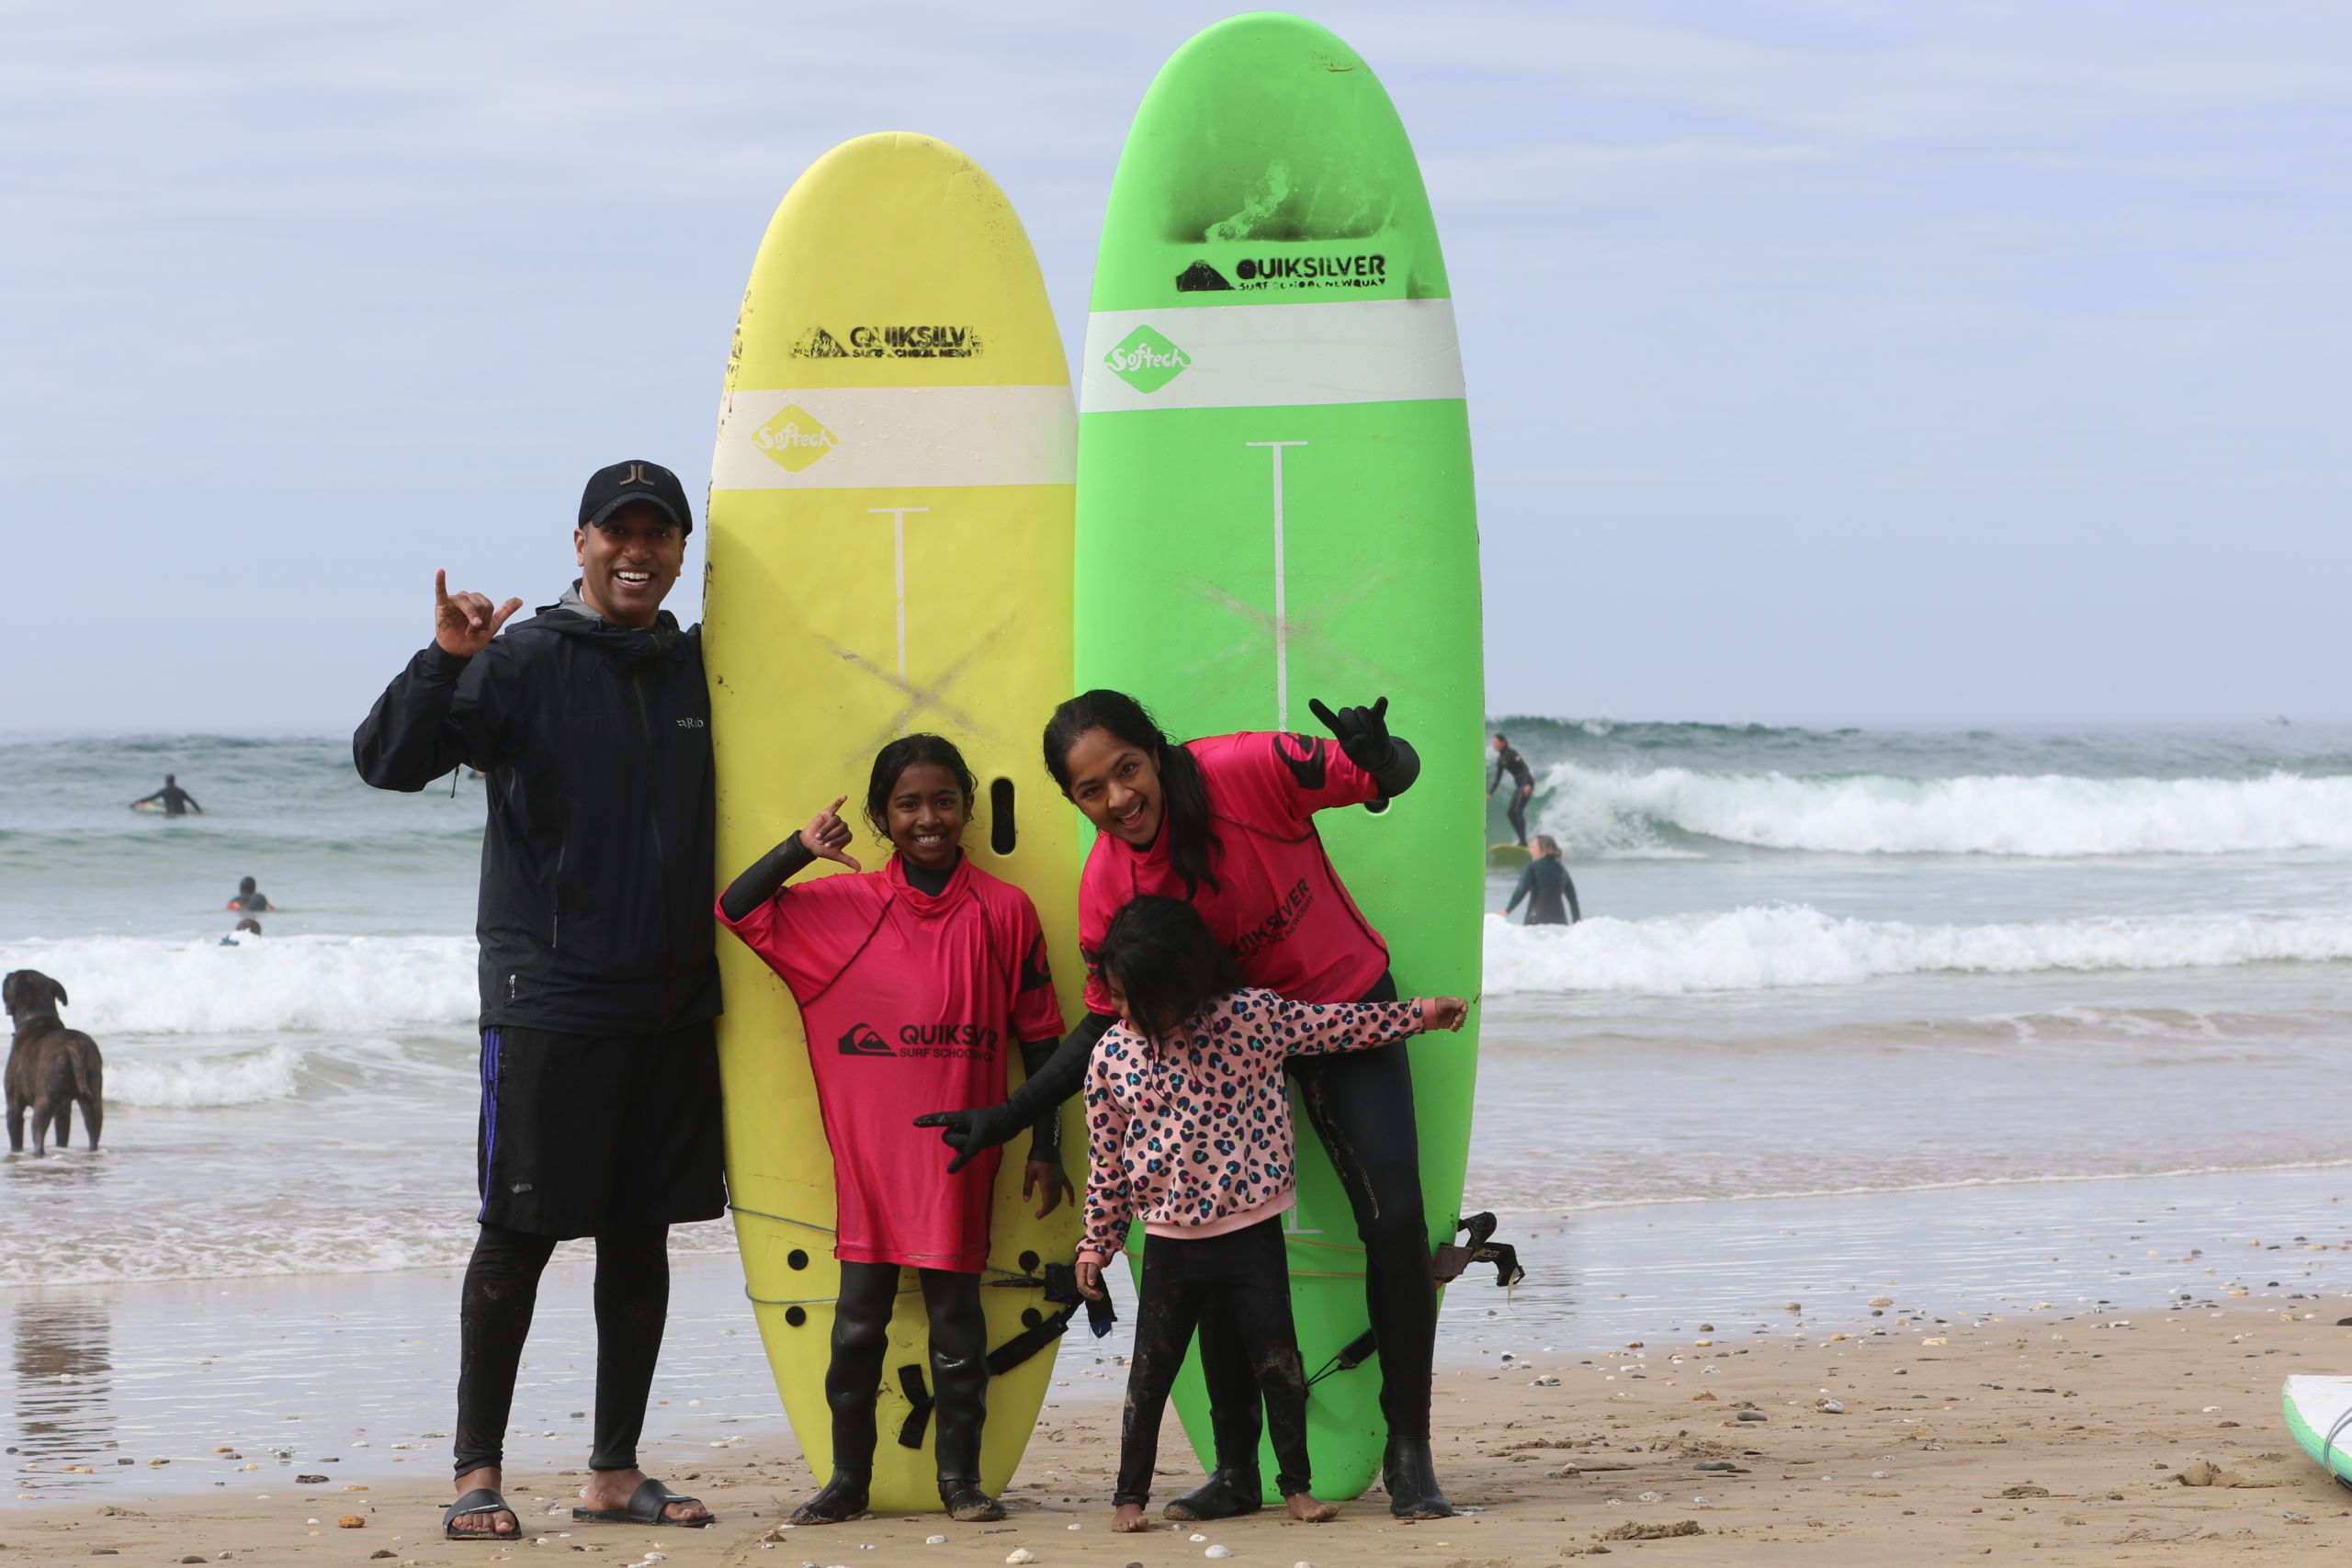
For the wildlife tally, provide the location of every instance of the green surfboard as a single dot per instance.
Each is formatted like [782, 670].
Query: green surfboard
[1274, 504]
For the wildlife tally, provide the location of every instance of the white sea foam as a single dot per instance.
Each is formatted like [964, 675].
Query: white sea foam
[1765, 948]
[1593, 812]
[238, 1078]
[140, 985]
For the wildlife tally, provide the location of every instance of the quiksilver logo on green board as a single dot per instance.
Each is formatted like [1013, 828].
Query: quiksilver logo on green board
[794, 437]
[1146, 361]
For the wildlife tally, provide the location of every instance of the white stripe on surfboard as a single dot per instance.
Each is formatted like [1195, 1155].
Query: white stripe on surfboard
[895, 438]
[1227, 357]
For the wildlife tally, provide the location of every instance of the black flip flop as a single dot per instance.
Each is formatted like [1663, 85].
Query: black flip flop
[645, 1506]
[481, 1500]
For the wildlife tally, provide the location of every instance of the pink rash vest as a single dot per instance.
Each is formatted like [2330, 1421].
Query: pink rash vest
[911, 1002]
[1279, 910]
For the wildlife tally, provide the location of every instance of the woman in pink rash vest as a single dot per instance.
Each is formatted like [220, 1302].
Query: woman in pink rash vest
[913, 982]
[1226, 823]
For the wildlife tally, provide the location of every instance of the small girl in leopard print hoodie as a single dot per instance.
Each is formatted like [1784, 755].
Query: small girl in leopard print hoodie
[1191, 1133]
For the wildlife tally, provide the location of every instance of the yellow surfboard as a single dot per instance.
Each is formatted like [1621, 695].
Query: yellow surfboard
[890, 545]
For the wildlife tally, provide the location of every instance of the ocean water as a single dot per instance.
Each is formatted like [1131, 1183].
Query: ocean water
[1847, 962]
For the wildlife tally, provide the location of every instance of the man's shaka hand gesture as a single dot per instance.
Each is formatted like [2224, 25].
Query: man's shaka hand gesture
[464, 623]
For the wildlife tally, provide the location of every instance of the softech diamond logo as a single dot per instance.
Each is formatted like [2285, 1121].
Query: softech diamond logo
[1146, 361]
[794, 437]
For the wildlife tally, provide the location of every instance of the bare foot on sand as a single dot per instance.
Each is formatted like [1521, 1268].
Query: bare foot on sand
[1308, 1510]
[1129, 1520]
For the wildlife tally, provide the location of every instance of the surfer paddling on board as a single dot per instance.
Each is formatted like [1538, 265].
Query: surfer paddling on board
[171, 800]
[1522, 787]
[921, 974]
[1226, 824]
[600, 1111]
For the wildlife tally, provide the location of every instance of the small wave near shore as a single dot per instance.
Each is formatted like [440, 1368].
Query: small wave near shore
[1599, 812]
[1762, 948]
[262, 985]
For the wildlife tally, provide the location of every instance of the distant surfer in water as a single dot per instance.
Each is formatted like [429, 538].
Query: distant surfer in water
[251, 899]
[1550, 892]
[1522, 789]
[175, 801]
[922, 973]
[1226, 823]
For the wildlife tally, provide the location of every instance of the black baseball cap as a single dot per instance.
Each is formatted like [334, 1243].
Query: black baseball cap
[611, 488]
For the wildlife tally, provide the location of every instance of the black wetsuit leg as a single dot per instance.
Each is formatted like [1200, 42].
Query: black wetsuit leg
[853, 1379]
[632, 1309]
[1517, 812]
[1168, 1306]
[959, 1372]
[1362, 1105]
[493, 1320]
[1253, 1298]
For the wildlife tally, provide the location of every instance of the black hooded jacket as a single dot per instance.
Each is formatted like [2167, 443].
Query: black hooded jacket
[597, 862]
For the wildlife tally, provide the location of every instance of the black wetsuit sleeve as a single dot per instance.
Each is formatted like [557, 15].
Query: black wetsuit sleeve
[415, 732]
[1495, 779]
[765, 877]
[1568, 885]
[1526, 885]
[192, 806]
[1063, 1074]
[1046, 1133]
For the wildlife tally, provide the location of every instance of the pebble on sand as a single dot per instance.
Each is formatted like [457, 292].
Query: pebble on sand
[1020, 1554]
[353, 1521]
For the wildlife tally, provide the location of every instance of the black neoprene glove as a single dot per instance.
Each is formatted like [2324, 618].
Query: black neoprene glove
[1362, 734]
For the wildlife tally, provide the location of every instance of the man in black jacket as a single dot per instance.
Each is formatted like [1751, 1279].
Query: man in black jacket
[599, 1070]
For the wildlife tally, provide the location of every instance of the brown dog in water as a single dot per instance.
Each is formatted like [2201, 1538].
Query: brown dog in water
[50, 1066]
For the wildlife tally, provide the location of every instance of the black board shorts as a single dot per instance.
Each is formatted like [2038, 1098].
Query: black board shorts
[583, 1134]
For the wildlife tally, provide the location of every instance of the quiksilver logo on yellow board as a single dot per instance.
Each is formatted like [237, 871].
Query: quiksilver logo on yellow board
[794, 437]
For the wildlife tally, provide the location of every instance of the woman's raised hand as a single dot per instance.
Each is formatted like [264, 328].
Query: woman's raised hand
[827, 836]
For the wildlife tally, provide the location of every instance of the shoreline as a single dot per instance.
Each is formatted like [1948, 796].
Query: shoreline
[216, 1377]
[2054, 1438]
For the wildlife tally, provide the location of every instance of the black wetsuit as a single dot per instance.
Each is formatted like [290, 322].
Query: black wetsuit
[1545, 884]
[176, 801]
[1522, 786]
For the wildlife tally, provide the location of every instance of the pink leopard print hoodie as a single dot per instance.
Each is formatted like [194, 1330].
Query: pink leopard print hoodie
[1195, 1133]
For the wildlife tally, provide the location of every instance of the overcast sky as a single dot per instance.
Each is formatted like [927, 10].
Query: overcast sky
[1857, 361]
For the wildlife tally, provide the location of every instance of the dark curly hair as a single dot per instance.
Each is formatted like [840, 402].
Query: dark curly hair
[905, 753]
[1161, 953]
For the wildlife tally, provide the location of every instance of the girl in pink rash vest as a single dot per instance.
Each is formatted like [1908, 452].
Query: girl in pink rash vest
[1189, 1123]
[915, 983]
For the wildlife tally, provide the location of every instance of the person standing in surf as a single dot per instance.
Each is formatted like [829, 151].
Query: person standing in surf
[1546, 885]
[922, 973]
[172, 800]
[1523, 784]
[599, 972]
[1226, 824]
